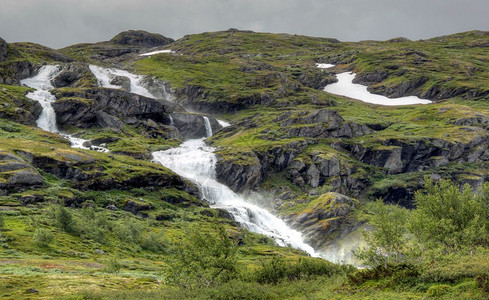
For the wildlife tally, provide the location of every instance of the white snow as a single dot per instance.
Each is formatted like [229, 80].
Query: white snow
[324, 66]
[346, 87]
[157, 52]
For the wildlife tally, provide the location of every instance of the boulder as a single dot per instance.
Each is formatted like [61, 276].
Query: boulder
[192, 126]
[71, 75]
[141, 38]
[322, 217]
[16, 174]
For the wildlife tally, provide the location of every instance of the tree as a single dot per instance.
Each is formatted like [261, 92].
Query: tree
[450, 217]
[386, 242]
[204, 259]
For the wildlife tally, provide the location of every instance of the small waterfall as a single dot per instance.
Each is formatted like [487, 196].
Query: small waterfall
[197, 162]
[171, 120]
[42, 83]
[208, 128]
[47, 119]
[105, 77]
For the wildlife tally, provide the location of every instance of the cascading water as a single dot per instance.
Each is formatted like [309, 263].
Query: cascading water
[197, 162]
[47, 119]
[208, 128]
[42, 83]
[106, 77]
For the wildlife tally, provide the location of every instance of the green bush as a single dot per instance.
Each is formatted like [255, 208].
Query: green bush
[450, 217]
[386, 242]
[438, 290]
[43, 237]
[204, 259]
[2, 221]
[278, 269]
[112, 265]
[64, 219]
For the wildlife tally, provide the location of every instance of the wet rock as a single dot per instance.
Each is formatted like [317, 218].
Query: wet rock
[123, 82]
[322, 217]
[239, 175]
[108, 107]
[192, 126]
[71, 75]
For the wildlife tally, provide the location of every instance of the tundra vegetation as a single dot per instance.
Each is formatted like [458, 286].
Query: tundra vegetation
[79, 224]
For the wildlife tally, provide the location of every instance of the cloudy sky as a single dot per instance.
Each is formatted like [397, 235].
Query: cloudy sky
[58, 23]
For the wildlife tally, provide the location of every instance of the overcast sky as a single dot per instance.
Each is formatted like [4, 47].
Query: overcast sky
[59, 23]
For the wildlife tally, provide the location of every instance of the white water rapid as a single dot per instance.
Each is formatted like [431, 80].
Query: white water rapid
[197, 162]
[47, 119]
[106, 76]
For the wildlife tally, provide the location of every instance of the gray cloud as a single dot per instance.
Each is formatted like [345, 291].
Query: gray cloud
[58, 23]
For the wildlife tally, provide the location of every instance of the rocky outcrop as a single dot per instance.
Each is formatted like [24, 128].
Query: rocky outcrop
[316, 78]
[141, 38]
[192, 126]
[240, 173]
[3, 50]
[13, 71]
[321, 123]
[74, 75]
[108, 108]
[16, 174]
[322, 218]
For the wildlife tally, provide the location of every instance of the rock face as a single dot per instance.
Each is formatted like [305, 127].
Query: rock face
[3, 50]
[16, 174]
[141, 38]
[192, 126]
[14, 71]
[248, 172]
[323, 217]
[71, 75]
[108, 108]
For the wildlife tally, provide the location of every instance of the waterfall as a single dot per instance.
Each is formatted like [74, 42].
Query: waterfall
[47, 119]
[42, 83]
[171, 120]
[197, 162]
[208, 128]
[105, 78]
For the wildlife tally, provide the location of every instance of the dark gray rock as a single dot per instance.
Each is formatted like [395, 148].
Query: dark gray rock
[239, 175]
[323, 217]
[192, 126]
[71, 74]
[3, 50]
[16, 174]
[136, 206]
[123, 82]
[141, 38]
[90, 107]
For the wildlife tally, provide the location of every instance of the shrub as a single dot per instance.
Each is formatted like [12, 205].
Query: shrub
[112, 265]
[43, 237]
[386, 242]
[450, 217]
[2, 221]
[438, 290]
[277, 269]
[64, 219]
[204, 259]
